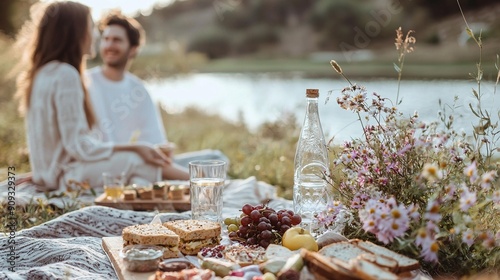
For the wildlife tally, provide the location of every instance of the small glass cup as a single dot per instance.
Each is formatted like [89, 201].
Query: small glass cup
[113, 185]
[207, 182]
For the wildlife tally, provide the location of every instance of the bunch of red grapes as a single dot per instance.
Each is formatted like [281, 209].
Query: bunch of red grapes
[261, 225]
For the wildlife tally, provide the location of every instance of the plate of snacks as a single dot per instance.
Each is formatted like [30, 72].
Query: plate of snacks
[165, 196]
[240, 250]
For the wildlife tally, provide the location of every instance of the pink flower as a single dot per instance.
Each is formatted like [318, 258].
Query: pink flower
[496, 196]
[449, 191]
[405, 149]
[369, 225]
[432, 228]
[432, 172]
[432, 211]
[467, 200]
[471, 172]
[488, 239]
[468, 237]
[385, 218]
[430, 249]
[422, 237]
[399, 221]
[413, 212]
[487, 179]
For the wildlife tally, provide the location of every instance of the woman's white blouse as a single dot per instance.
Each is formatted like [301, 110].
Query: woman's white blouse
[58, 134]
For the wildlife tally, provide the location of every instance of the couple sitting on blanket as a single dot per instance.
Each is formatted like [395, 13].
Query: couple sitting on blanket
[81, 124]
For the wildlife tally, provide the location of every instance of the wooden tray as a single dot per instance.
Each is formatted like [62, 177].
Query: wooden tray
[164, 205]
[112, 246]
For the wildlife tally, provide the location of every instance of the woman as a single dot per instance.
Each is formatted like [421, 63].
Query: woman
[59, 115]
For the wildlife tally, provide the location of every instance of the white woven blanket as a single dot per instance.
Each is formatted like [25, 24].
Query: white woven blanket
[69, 247]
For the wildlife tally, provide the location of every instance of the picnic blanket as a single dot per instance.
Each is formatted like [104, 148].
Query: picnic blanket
[69, 247]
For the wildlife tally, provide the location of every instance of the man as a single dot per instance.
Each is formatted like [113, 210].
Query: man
[124, 108]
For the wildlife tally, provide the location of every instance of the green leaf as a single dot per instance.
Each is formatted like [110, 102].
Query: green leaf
[397, 68]
[457, 218]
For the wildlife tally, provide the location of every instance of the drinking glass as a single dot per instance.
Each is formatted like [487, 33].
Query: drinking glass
[207, 182]
[113, 185]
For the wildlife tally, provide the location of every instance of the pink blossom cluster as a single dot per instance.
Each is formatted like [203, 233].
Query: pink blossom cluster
[328, 217]
[385, 218]
[412, 180]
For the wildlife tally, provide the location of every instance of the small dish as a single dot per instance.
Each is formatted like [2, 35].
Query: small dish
[141, 258]
[177, 192]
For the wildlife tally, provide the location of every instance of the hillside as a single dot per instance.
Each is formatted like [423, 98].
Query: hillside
[355, 32]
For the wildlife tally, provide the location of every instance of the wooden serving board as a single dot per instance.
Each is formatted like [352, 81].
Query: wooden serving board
[164, 205]
[112, 246]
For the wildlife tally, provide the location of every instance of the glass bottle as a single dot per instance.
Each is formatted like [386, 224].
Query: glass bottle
[310, 189]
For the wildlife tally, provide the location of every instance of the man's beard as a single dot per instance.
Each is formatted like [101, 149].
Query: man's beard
[121, 63]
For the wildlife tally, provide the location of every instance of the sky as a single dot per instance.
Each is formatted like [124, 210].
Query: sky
[128, 7]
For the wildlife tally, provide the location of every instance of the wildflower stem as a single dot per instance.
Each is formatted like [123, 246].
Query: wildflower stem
[339, 70]
[400, 73]
[362, 125]
[345, 77]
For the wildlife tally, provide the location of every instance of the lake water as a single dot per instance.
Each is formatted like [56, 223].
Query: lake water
[266, 97]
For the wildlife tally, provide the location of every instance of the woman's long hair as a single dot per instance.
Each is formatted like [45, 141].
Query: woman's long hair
[59, 33]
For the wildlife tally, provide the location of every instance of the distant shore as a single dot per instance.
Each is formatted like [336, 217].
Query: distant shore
[148, 67]
[366, 69]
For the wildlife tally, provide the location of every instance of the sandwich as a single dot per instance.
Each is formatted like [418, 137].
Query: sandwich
[195, 234]
[152, 234]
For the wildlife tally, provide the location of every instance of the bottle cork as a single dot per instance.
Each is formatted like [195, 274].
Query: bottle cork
[312, 92]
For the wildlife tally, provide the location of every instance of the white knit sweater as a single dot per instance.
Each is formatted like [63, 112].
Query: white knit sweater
[57, 130]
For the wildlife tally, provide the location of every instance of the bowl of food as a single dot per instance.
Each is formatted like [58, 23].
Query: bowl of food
[141, 258]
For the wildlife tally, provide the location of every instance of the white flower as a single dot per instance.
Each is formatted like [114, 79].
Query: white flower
[432, 211]
[467, 200]
[432, 172]
[487, 179]
[471, 172]
[468, 237]
[496, 196]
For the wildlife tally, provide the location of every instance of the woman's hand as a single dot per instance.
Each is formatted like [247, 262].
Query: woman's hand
[152, 156]
[167, 149]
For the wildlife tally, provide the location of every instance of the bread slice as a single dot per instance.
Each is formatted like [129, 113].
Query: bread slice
[369, 271]
[152, 234]
[194, 229]
[324, 268]
[344, 251]
[195, 234]
[382, 261]
[404, 263]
